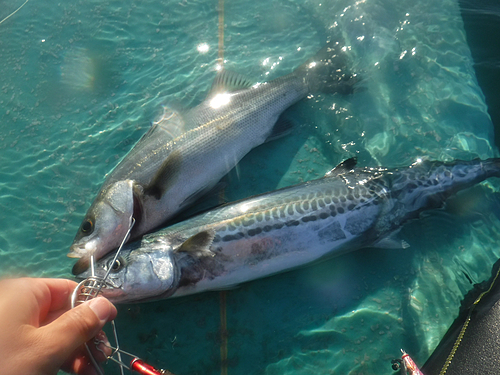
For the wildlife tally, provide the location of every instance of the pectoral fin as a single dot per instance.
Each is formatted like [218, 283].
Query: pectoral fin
[138, 209]
[344, 167]
[282, 128]
[165, 176]
[392, 242]
[198, 244]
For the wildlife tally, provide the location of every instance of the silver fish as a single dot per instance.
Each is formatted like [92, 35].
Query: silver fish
[160, 177]
[348, 209]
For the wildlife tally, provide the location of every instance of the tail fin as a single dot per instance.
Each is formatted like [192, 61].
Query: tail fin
[428, 184]
[469, 173]
[491, 167]
[327, 71]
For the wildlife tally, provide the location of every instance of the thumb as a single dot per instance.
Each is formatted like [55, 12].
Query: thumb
[77, 326]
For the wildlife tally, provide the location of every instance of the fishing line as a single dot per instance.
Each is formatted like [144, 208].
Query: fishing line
[223, 333]
[14, 12]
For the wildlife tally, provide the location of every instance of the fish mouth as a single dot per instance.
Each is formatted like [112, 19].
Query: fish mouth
[76, 251]
[73, 254]
[80, 266]
[112, 292]
[84, 248]
[108, 287]
[89, 286]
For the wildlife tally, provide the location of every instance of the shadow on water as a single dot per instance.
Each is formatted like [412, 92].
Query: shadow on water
[272, 158]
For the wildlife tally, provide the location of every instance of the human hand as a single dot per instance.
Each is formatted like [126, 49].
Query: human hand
[40, 333]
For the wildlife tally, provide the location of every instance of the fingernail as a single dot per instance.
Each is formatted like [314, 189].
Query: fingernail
[100, 307]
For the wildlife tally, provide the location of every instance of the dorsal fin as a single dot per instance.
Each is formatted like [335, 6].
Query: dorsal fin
[344, 167]
[199, 243]
[228, 81]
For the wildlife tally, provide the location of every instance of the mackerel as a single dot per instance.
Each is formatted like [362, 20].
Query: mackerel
[348, 209]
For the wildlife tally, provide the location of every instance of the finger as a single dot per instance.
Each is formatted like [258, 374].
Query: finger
[76, 326]
[51, 316]
[79, 363]
[60, 293]
[102, 348]
[30, 296]
[34, 298]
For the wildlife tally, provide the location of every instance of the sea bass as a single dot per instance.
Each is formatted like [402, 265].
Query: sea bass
[348, 209]
[160, 177]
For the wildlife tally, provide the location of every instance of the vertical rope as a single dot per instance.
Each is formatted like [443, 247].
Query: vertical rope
[223, 310]
[220, 59]
[223, 320]
[223, 333]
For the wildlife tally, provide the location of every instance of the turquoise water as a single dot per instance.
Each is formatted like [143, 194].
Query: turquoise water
[81, 81]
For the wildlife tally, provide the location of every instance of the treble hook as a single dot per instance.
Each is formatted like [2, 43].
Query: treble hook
[406, 364]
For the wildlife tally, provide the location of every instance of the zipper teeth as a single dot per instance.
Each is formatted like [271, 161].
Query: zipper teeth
[454, 349]
[447, 363]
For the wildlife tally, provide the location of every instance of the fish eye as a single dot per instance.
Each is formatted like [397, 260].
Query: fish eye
[116, 266]
[87, 226]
